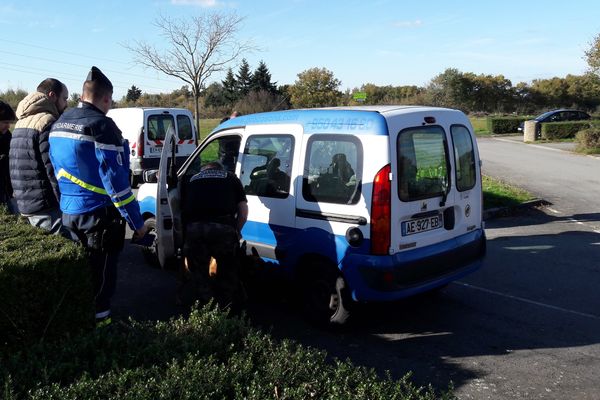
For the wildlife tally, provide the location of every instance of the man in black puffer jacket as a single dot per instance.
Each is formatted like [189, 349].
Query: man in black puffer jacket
[31, 172]
[7, 117]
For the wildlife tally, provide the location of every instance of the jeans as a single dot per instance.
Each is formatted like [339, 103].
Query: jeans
[49, 220]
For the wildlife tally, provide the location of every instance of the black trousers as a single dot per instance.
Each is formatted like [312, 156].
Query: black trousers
[208, 239]
[102, 234]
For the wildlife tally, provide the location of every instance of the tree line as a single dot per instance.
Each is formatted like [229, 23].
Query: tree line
[248, 91]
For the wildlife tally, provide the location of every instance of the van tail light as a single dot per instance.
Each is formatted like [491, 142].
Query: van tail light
[140, 144]
[381, 212]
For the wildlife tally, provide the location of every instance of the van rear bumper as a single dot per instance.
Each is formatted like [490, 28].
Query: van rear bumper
[388, 278]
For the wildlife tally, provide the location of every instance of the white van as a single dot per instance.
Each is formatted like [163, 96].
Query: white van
[145, 128]
[359, 204]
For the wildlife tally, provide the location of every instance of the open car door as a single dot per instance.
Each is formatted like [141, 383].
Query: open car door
[168, 210]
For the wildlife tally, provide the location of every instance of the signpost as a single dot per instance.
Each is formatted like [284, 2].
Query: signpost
[359, 96]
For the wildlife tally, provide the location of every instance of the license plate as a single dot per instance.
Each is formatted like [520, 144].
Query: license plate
[154, 150]
[422, 225]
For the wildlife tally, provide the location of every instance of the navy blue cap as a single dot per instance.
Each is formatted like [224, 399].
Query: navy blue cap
[97, 76]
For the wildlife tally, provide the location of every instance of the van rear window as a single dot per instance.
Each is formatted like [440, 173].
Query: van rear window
[464, 157]
[422, 163]
[184, 127]
[159, 125]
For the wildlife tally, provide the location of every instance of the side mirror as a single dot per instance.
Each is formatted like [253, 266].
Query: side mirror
[151, 176]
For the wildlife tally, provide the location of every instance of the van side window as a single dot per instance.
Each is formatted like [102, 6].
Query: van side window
[267, 165]
[464, 157]
[332, 169]
[224, 149]
[184, 126]
[159, 125]
[422, 163]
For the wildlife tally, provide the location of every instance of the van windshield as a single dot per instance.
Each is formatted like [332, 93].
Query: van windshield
[422, 163]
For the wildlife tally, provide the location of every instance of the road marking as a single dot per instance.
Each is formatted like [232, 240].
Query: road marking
[536, 303]
[584, 223]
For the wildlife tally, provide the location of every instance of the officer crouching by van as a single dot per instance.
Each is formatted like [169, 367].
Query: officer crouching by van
[91, 162]
[215, 210]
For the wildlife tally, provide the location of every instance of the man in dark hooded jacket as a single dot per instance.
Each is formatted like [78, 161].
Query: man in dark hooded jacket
[31, 171]
[7, 116]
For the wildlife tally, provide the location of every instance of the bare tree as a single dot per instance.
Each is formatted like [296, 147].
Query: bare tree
[197, 47]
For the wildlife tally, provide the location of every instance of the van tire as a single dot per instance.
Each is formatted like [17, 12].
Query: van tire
[324, 295]
[150, 253]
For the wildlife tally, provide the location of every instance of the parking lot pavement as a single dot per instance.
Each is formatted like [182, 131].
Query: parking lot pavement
[526, 325]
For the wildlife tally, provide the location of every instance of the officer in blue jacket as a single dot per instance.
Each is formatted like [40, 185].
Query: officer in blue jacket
[91, 163]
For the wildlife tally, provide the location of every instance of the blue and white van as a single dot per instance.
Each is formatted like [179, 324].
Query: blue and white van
[359, 204]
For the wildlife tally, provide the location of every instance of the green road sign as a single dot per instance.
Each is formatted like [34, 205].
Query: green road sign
[360, 96]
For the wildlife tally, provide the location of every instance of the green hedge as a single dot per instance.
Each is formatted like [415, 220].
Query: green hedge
[502, 125]
[588, 140]
[45, 288]
[563, 130]
[205, 356]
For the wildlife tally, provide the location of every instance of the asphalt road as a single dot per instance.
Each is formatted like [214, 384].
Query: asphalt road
[570, 181]
[526, 326]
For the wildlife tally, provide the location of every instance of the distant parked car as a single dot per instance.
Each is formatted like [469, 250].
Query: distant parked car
[559, 116]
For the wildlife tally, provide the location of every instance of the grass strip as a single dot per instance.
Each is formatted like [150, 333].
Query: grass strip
[497, 193]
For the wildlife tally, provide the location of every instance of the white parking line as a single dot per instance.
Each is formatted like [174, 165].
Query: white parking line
[584, 223]
[536, 303]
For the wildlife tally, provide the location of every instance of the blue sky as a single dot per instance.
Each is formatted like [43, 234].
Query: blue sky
[385, 42]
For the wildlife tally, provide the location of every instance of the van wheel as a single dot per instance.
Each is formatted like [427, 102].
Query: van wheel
[325, 298]
[150, 253]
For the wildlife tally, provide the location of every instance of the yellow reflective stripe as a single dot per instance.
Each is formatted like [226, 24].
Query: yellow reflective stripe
[64, 174]
[124, 202]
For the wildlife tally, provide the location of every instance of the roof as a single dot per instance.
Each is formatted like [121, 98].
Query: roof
[333, 119]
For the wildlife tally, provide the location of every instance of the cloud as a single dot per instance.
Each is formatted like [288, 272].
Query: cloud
[201, 3]
[408, 24]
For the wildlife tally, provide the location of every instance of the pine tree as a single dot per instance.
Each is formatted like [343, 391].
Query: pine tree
[133, 94]
[261, 79]
[244, 79]
[230, 87]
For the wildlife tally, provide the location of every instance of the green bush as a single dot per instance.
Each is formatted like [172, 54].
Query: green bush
[205, 356]
[563, 130]
[45, 288]
[588, 140]
[501, 125]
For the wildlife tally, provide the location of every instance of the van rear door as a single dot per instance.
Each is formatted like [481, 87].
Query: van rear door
[436, 186]
[158, 123]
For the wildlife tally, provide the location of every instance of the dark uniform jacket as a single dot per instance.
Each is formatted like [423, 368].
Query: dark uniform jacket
[213, 196]
[91, 160]
[31, 171]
